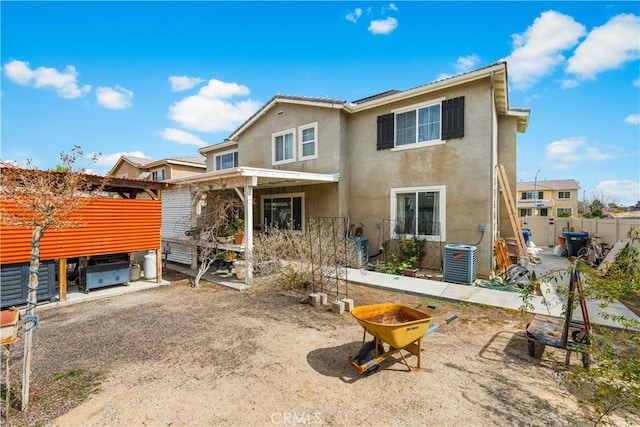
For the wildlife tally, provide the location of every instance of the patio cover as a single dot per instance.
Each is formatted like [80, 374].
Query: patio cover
[248, 178]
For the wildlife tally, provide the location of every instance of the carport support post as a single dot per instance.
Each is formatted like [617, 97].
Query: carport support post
[248, 233]
[62, 268]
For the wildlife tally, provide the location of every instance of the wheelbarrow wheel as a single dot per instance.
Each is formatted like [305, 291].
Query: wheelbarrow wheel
[586, 360]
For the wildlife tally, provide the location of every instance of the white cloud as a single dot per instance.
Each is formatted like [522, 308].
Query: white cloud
[626, 192]
[180, 83]
[467, 63]
[632, 119]
[19, 72]
[391, 6]
[539, 50]
[115, 98]
[462, 65]
[354, 16]
[383, 26]
[219, 89]
[636, 82]
[607, 47]
[182, 137]
[569, 83]
[64, 82]
[111, 159]
[568, 151]
[209, 112]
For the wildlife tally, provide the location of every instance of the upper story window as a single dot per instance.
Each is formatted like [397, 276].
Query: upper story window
[564, 194]
[226, 160]
[284, 147]
[422, 125]
[308, 137]
[157, 175]
[529, 195]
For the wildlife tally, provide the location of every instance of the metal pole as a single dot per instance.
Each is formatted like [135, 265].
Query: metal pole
[535, 194]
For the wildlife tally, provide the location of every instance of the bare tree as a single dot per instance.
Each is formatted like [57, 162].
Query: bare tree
[42, 200]
[218, 213]
[598, 205]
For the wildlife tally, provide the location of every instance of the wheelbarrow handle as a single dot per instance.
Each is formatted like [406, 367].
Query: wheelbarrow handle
[445, 322]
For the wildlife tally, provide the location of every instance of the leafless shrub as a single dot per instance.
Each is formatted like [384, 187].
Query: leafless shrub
[317, 259]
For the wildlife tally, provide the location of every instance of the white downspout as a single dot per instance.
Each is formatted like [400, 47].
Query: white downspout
[494, 163]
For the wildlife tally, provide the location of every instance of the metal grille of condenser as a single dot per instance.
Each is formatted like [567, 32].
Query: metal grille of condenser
[361, 246]
[460, 263]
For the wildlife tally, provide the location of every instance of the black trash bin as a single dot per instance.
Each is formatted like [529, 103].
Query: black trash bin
[575, 241]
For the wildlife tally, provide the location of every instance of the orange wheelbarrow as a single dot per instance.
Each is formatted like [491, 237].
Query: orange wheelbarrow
[398, 326]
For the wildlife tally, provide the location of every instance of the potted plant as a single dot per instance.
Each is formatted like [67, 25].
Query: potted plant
[225, 235]
[240, 269]
[238, 235]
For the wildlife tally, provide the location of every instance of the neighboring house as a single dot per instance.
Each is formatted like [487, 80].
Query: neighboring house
[553, 198]
[130, 167]
[415, 162]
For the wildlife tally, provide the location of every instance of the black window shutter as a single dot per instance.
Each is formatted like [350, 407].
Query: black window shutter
[453, 118]
[385, 131]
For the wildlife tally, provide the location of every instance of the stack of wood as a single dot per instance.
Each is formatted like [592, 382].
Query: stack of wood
[503, 259]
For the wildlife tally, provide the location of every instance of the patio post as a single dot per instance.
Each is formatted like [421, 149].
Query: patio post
[248, 227]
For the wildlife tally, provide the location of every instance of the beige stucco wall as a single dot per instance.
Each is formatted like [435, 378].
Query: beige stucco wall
[255, 144]
[179, 171]
[463, 166]
[127, 169]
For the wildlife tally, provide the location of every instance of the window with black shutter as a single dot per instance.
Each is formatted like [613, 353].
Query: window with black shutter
[385, 131]
[453, 118]
[420, 126]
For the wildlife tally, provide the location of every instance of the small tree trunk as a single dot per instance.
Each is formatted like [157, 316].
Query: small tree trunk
[30, 322]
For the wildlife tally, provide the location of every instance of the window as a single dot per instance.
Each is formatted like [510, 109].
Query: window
[564, 194]
[419, 212]
[422, 125]
[284, 211]
[157, 175]
[227, 160]
[284, 147]
[525, 212]
[307, 135]
[528, 195]
[544, 212]
[563, 212]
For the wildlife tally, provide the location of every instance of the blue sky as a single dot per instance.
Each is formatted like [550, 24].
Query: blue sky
[161, 79]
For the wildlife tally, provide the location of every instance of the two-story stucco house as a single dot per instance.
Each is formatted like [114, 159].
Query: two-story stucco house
[419, 162]
[557, 197]
[132, 167]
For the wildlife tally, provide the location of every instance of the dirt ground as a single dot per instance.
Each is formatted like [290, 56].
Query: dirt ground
[180, 356]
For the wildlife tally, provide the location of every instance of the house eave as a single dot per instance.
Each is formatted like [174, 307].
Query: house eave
[259, 177]
[499, 72]
[215, 147]
[279, 99]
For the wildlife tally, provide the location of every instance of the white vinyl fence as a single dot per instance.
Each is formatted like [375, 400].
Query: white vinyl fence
[545, 230]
